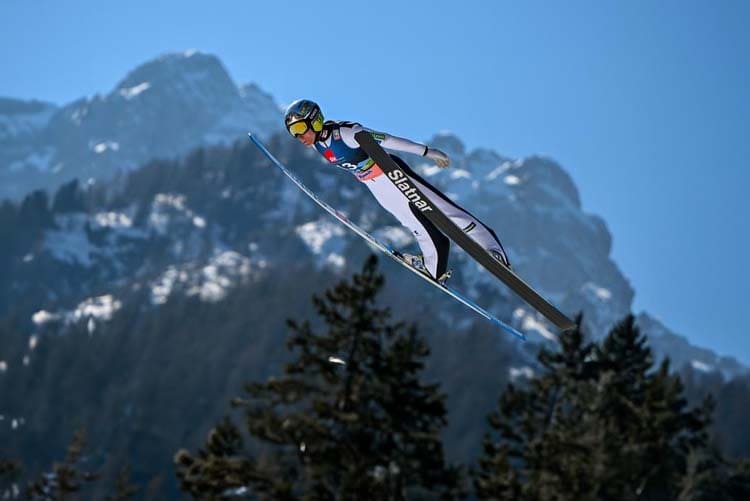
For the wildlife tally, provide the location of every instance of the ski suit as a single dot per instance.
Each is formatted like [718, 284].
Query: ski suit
[337, 145]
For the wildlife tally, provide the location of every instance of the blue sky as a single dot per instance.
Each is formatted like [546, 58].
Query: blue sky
[645, 103]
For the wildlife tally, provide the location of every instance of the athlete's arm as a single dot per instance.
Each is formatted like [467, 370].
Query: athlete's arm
[395, 143]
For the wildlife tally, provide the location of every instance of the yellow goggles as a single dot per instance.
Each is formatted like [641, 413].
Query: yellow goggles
[299, 128]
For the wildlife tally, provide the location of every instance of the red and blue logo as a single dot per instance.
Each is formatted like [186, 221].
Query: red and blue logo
[330, 155]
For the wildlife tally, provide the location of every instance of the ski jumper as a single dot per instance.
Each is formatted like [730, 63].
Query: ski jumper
[337, 145]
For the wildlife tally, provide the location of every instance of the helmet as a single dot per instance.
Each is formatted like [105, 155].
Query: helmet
[303, 115]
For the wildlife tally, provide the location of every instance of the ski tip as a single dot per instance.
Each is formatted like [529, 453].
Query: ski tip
[507, 328]
[249, 134]
[567, 326]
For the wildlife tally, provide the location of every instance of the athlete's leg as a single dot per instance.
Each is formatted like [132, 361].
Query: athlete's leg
[472, 226]
[433, 244]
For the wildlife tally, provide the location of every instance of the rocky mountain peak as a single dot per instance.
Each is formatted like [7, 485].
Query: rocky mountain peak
[544, 180]
[20, 118]
[189, 75]
[163, 108]
[10, 106]
[449, 143]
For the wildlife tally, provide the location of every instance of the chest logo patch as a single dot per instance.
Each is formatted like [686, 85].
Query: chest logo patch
[330, 155]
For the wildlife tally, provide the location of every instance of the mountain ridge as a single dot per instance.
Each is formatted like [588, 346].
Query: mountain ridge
[532, 203]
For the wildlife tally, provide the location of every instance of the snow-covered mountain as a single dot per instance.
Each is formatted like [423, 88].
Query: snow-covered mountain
[534, 206]
[162, 108]
[221, 216]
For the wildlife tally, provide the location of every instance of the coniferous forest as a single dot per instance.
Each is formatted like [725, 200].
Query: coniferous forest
[354, 410]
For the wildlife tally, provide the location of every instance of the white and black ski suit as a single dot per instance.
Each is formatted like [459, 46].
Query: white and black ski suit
[337, 144]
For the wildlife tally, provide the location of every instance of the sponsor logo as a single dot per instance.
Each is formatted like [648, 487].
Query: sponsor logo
[403, 183]
[371, 170]
[336, 135]
[330, 155]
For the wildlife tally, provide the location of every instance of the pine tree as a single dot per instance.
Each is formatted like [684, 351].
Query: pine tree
[600, 423]
[124, 489]
[66, 480]
[350, 418]
[537, 426]
[651, 432]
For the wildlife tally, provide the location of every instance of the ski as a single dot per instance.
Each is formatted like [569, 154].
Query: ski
[374, 242]
[436, 216]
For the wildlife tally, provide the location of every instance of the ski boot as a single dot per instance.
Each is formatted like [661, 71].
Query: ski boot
[417, 262]
[500, 257]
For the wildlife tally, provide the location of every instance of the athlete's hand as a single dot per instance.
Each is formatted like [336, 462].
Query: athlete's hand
[440, 158]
